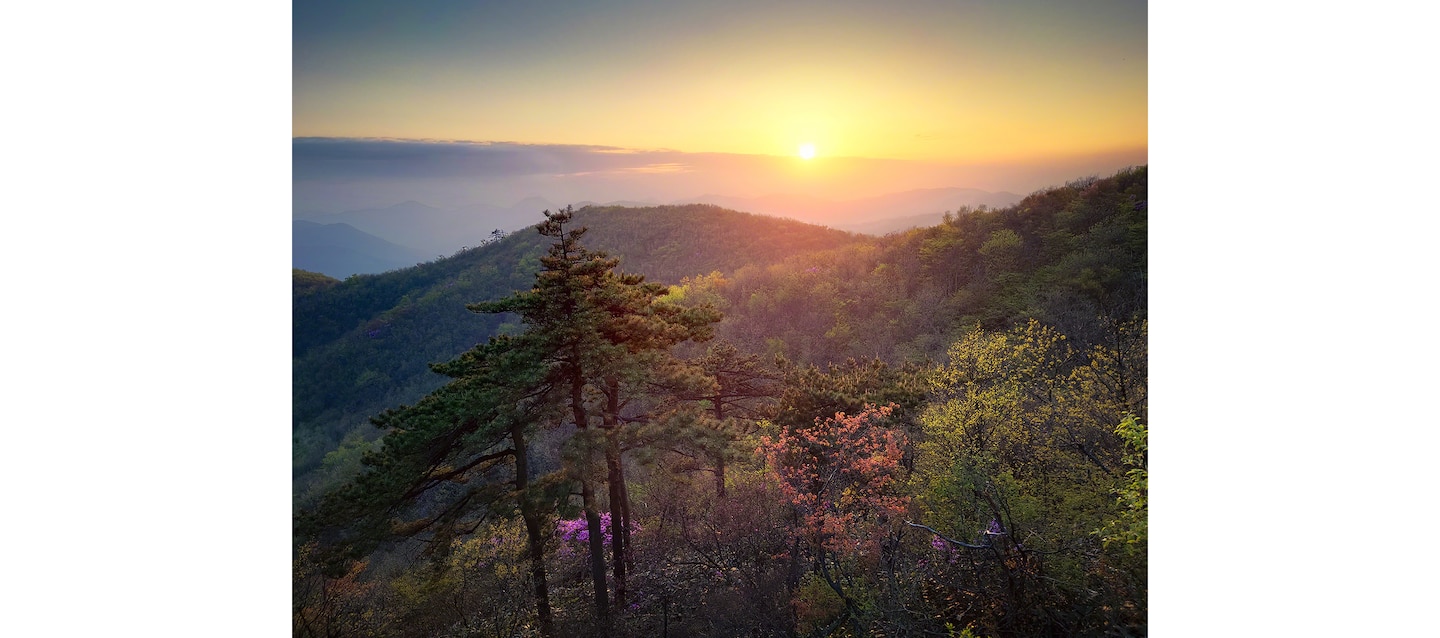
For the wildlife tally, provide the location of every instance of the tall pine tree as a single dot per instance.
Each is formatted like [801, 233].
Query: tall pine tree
[593, 336]
[599, 334]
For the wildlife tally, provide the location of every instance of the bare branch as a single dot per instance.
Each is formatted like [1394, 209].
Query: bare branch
[948, 539]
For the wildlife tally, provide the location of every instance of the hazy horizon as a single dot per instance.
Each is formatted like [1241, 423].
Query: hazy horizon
[341, 174]
[455, 104]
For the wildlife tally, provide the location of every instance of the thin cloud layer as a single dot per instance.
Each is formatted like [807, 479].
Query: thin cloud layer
[335, 174]
[350, 158]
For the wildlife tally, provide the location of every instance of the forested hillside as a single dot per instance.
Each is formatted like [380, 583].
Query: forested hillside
[364, 344]
[1072, 257]
[734, 425]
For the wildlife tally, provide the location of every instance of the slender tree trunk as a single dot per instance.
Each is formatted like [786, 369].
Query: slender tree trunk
[592, 513]
[535, 538]
[619, 544]
[852, 609]
[792, 586]
[720, 454]
[597, 553]
[625, 515]
[720, 474]
[617, 515]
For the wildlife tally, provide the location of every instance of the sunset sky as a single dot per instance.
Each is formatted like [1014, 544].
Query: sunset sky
[682, 98]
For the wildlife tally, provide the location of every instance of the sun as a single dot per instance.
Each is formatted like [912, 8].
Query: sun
[807, 150]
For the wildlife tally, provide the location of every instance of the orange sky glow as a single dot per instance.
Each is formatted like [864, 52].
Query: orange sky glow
[963, 85]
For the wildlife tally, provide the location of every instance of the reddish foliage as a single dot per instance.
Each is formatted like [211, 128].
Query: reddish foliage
[841, 474]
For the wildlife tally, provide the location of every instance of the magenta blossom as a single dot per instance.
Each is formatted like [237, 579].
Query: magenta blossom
[577, 531]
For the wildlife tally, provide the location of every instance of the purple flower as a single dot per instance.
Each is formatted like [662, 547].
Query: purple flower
[579, 530]
[939, 544]
[573, 530]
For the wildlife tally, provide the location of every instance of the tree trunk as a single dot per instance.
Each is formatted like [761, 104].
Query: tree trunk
[619, 540]
[792, 586]
[720, 474]
[720, 454]
[592, 514]
[618, 546]
[534, 537]
[597, 553]
[625, 516]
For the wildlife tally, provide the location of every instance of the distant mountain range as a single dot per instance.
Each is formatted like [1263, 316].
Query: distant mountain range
[411, 231]
[433, 231]
[340, 250]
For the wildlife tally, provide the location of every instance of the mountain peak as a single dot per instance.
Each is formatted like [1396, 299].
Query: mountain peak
[534, 201]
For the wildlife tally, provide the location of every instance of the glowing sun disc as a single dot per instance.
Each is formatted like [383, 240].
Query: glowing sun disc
[807, 151]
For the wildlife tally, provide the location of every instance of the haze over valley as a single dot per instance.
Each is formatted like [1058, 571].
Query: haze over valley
[379, 239]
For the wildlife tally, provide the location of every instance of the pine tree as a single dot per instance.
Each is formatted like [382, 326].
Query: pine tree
[593, 339]
[439, 470]
[600, 334]
[743, 391]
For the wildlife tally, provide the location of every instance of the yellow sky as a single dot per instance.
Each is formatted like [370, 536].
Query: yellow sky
[950, 82]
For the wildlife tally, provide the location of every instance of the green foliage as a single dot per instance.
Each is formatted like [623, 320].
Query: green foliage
[344, 604]
[480, 589]
[1130, 528]
[338, 467]
[1072, 256]
[816, 605]
[1002, 250]
[305, 282]
[810, 393]
[435, 470]
[998, 395]
[1018, 437]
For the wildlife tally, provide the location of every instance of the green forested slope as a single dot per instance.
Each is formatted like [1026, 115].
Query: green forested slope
[1073, 257]
[953, 440]
[365, 344]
